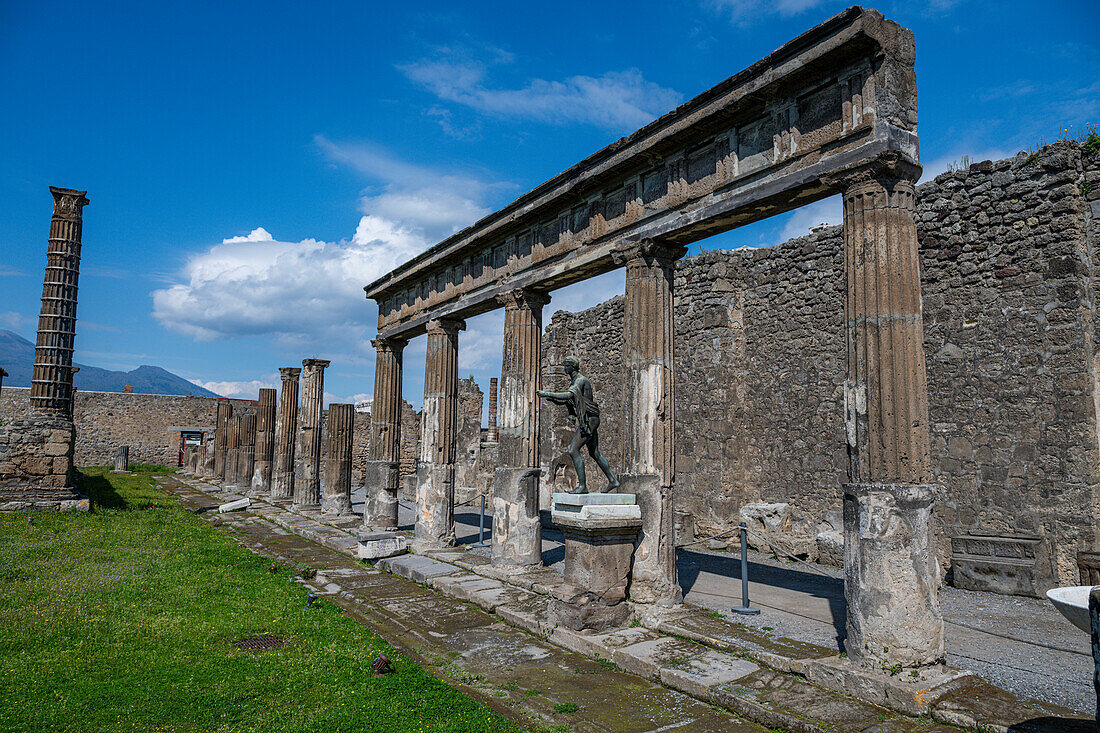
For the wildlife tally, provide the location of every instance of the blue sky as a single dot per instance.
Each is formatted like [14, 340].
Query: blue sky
[251, 166]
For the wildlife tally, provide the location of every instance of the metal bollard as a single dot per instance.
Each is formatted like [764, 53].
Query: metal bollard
[744, 608]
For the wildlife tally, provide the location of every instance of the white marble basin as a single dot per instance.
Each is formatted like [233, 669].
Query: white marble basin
[1073, 602]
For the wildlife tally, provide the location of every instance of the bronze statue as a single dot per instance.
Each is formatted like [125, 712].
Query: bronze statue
[581, 403]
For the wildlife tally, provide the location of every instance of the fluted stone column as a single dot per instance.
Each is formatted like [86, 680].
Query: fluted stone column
[520, 376]
[517, 531]
[221, 438]
[265, 443]
[648, 334]
[307, 481]
[493, 434]
[438, 432]
[891, 574]
[246, 451]
[383, 471]
[336, 499]
[232, 450]
[286, 436]
[209, 443]
[52, 377]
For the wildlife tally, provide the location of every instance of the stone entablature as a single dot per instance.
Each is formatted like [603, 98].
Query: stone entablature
[837, 97]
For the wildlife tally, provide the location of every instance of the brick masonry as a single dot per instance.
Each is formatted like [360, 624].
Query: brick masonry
[1008, 251]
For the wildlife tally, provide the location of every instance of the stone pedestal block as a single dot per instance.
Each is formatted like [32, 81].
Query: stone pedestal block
[377, 545]
[890, 557]
[653, 578]
[435, 519]
[122, 459]
[517, 533]
[208, 459]
[600, 536]
[382, 480]
[1011, 564]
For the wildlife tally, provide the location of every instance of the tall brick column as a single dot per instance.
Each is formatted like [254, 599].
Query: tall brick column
[52, 377]
[648, 333]
[383, 471]
[336, 499]
[221, 439]
[286, 435]
[265, 443]
[307, 482]
[246, 451]
[520, 376]
[891, 574]
[493, 434]
[435, 489]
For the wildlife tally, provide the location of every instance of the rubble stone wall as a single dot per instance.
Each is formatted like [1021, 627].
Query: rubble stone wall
[1008, 251]
[36, 455]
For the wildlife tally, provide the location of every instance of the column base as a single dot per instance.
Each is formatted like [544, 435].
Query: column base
[653, 579]
[336, 506]
[517, 532]
[891, 576]
[382, 480]
[435, 524]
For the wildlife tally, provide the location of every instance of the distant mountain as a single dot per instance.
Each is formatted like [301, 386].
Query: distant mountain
[17, 358]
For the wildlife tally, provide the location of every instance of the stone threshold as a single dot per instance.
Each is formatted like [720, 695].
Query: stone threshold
[694, 651]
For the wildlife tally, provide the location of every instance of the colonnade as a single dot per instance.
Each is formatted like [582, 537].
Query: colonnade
[891, 573]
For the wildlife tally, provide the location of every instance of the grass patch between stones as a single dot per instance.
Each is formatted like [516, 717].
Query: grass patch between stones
[124, 619]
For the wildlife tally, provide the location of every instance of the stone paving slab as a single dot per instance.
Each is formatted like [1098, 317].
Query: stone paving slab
[716, 669]
[522, 676]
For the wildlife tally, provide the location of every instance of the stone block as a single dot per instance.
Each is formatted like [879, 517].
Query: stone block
[517, 532]
[646, 658]
[417, 568]
[582, 610]
[698, 676]
[1010, 564]
[377, 545]
[830, 548]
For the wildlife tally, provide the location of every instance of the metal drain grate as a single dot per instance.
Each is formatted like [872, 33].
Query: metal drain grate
[260, 643]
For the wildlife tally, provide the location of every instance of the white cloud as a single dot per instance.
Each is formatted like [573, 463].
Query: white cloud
[617, 100]
[7, 271]
[15, 321]
[249, 390]
[434, 203]
[826, 211]
[747, 11]
[256, 235]
[307, 292]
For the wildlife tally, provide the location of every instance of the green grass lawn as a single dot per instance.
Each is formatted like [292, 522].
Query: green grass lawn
[121, 620]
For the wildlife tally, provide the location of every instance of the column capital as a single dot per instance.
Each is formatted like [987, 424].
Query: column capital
[448, 326]
[390, 344]
[68, 203]
[315, 363]
[525, 298]
[648, 252]
[886, 169]
[288, 373]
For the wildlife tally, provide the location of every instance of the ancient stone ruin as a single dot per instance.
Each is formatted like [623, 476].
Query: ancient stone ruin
[37, 442]
[833, 111]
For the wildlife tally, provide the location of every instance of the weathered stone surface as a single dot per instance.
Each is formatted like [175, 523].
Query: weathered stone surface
[584, 610]
[122, 459]
[336, 498]
[377, 545]
[286, 435]
[653, 577]
[381, 479]
[264, 454]
[307, 475]
[517, 531]
[1007, 564]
